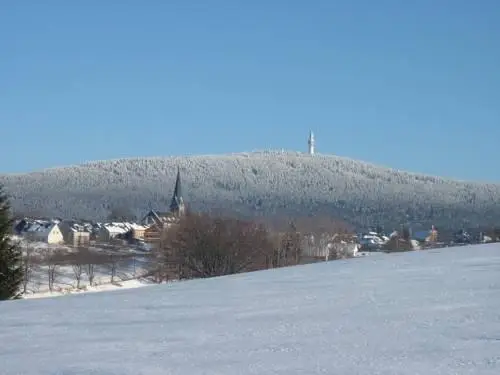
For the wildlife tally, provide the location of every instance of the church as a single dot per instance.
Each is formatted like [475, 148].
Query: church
[157, 221]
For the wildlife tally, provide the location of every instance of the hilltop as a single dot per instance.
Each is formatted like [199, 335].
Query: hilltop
[256, 184]
[429, 312]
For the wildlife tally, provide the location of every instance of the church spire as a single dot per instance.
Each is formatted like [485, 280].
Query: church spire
[177, 203]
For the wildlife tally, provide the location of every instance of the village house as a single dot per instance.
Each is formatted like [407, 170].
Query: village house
[113, 231]
[74, 233]
[78, 238]
[327, 247]
[157, 222]
[426, 236]
[79, 234]
[48, 232]
[137, 231]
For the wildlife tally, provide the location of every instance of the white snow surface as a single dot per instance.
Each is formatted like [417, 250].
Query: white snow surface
[423, 312]
[104, 287]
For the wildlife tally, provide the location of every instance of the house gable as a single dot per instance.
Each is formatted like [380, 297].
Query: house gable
[156, 217]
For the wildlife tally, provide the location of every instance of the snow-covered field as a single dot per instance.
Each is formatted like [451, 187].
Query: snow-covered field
[101, 286]
[423, 312]
[258, 183]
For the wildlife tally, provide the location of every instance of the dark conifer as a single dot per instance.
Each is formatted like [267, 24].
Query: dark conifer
[11, 271]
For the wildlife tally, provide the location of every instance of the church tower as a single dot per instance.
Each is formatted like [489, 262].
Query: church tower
[310, 142]
[177, 206]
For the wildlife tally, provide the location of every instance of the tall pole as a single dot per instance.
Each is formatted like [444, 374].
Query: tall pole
[311, 143]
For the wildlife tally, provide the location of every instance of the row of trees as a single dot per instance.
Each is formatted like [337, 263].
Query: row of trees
[198, 246]
[202, 246]
[83, 262]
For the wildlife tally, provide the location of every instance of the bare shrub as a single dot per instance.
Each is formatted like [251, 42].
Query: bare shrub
[204, 246]
[27, 266]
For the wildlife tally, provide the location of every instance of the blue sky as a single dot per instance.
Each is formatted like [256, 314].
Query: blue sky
[411, 85]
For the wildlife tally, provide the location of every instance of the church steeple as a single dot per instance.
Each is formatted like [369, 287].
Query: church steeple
[177, 203]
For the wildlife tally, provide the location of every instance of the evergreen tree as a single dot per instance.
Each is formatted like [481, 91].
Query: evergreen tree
[11, 272]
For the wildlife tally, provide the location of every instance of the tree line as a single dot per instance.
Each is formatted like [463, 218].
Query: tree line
[198, 245]
[84, 263]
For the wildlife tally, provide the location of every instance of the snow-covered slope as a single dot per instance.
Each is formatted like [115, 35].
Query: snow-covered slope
[432, 312]
[260, 183]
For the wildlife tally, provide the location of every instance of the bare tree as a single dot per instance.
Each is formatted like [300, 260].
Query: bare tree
[52, 273]
[77, 261]
[204, 246]
[91, 272]
[78, 272]
[121, 213]
[84, 261]
[160, 264]
[289, 250]
[113, 260]
[54, 261]
[91, 259]
[113, 265]
[27, 266]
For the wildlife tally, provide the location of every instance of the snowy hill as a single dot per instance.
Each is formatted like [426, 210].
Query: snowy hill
[259, 183]
[428, 312]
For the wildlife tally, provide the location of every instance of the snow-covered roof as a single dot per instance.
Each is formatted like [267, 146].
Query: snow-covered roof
[122, 228]
[40, 226]
[117, 228]
[138, 226]
[79, 230]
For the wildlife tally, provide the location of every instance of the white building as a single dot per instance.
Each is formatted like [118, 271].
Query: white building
[45, 232]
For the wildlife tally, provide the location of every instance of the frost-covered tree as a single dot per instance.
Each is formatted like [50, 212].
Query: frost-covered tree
[254, 185]
[121, 214]
[11, 268]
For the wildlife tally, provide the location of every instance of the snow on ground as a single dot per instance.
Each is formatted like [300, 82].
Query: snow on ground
[128, 273]
[99, 287]
[424, 312]
[65, 281]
